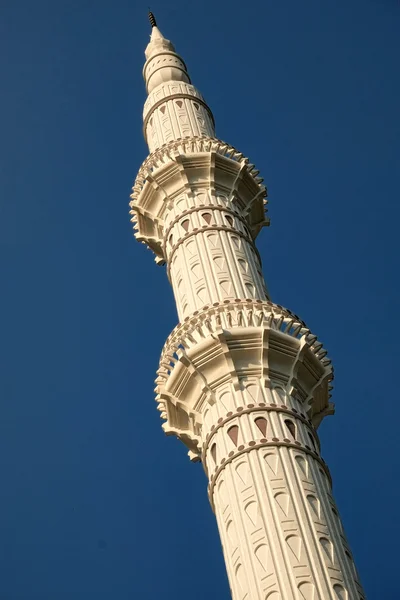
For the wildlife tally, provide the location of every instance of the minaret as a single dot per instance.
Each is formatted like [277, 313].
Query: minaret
[242, 381]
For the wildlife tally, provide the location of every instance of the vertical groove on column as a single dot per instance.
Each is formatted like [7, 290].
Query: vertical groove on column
[241, 533]
[284, 551]
[322, 590]
[255, 457]
[236, 357]
[231, 264]
[332, 523]
[259, 282]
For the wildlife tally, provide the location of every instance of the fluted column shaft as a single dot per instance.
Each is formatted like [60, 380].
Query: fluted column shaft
[175, 110]
[271, 492]
[241, 381]
[211, 255]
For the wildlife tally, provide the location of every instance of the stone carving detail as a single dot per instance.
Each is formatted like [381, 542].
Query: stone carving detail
[280, 497]
[241, 381]
[181, 115]
[154, 201]
[307, 590]
[215, 250]
[275, 477]
[340, 592]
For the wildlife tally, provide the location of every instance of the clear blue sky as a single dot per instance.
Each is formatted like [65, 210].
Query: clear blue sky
[95, 503]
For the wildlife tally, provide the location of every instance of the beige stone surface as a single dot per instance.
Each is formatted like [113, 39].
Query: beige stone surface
[242, 381]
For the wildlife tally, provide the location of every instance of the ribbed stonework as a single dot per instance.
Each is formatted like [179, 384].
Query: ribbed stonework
[242, 381]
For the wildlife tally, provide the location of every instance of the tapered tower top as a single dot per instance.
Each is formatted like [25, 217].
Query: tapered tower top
[163, 63]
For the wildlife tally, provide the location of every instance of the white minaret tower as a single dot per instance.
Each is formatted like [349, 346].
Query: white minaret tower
[242, 381]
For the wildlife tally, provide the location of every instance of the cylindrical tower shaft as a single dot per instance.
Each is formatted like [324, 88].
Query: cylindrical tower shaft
[271, 492]
[242, 381]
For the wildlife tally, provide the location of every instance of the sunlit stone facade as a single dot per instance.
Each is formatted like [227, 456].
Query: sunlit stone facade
[242, 381]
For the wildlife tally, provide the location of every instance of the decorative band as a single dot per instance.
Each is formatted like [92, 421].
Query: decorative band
[197, 230]
[250, 304]
[163, 52]
[194, 209]
[263, 443]
[150, 75]
[261, 407]
[173, 97]
[200, 143]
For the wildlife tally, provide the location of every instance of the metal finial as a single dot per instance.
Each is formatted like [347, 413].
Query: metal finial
[152, 19]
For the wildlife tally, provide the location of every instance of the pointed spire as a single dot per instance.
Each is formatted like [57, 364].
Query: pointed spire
[152, 19]
[157, 41]
[163, 63]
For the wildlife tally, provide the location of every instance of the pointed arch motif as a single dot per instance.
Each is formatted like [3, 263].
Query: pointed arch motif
[291, 427]
[233, 433]
[262, 425]
[214, 452]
